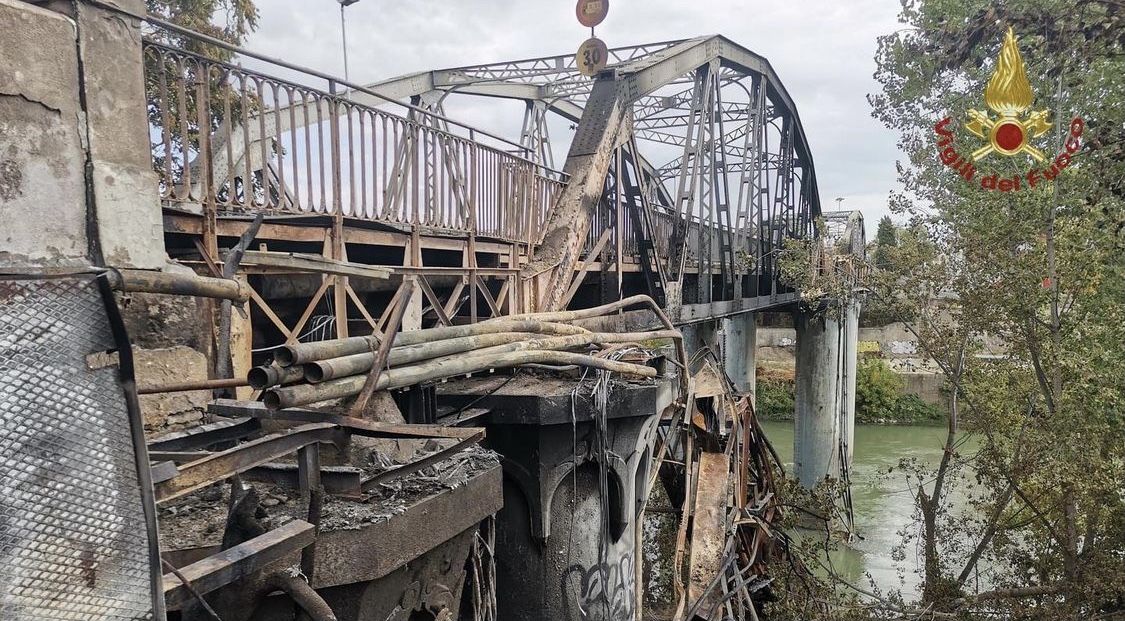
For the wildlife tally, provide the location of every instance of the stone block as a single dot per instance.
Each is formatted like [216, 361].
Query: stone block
[167, 411]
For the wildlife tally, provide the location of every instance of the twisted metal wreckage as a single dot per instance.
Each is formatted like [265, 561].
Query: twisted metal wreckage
[711, 457]
[620, 477]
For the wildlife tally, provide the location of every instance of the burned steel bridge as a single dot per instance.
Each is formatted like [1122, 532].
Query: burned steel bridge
[687, 170]
[318, 210]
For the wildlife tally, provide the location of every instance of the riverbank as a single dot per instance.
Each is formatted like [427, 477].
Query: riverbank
[881, 397]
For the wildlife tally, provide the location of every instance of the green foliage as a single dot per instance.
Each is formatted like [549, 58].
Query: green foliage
[1040, 270]
[911, 408]
[879, 397]
[877, 389]
[227, 20]
[774, 399]
[886, 239]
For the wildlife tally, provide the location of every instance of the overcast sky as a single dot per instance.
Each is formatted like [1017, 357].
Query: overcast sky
[822, 50]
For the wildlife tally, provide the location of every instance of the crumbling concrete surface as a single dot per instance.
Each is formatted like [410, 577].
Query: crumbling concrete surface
[126, 204]
[42, 184]
[171, 410]
[57, 153]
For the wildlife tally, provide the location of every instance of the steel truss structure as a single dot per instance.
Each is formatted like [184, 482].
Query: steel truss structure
[710, 171]
[687, 171]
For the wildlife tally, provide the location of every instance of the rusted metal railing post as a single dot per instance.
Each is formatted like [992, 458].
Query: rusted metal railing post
[338, 250]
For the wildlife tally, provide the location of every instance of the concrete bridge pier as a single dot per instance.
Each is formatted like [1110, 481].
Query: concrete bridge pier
[740, 342]
[702, 335]
[566, 545]
[825, 392]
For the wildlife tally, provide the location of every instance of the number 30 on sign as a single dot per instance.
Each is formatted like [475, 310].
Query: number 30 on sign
[592, 56]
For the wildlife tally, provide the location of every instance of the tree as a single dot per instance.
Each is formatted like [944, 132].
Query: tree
[226, 20]
[1043, 271]
[885, 240]
[167, 77]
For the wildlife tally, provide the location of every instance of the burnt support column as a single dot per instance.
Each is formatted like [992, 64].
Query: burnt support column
[740, 344]
[850, 354]
[702, 335]
[566, 537]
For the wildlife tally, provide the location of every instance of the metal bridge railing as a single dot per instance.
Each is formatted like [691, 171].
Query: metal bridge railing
[228, 139]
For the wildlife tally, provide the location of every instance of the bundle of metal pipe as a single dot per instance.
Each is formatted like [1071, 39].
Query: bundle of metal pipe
[305, 373]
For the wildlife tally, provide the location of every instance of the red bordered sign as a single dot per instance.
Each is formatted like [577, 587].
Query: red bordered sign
[591, 12]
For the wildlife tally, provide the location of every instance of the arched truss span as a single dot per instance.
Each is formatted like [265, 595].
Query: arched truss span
[688, 159]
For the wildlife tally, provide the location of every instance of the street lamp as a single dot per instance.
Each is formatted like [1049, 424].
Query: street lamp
[839, 199]
[344, 34]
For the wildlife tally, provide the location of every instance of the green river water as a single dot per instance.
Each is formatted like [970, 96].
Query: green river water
[883, 504]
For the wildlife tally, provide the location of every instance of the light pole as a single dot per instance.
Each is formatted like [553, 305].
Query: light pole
[344, 35]
[839, 199]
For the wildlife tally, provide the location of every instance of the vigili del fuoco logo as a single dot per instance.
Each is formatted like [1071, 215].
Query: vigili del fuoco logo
[1011, 132]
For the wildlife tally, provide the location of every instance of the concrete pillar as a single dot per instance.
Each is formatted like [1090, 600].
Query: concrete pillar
[554, 558]
[850, 354]
[42, 182]
[125, 200]
[702, 335]
[817, 429]
[740, 343]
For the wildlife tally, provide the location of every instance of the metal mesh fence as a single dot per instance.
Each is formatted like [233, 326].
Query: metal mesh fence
[73, 536]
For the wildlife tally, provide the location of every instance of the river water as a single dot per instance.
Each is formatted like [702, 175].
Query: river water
[883, 504]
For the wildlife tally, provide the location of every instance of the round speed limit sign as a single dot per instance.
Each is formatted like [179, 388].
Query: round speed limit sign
[592, 12]
[592, 56]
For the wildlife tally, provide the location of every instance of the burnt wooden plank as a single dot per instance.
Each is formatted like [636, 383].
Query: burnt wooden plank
[242, 560]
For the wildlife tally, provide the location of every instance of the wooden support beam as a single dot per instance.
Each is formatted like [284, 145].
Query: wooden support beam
[580, 273]
[434, 302]
[362, 308]
[272, 316]
[358, 426]
[296, 333]
[236, 563]
[218, 466]
[487, 295]
[207, 435]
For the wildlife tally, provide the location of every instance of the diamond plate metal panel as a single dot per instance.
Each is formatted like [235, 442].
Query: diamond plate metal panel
[73, 538]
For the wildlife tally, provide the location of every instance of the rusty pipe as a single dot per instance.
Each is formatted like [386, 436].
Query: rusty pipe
[578, 340]
[303, 394]
[150, 281]
[303, 595]
[208, 384]
[598, 311]
[333, 368]
[301, 353]
[273, 375]
[587, 313]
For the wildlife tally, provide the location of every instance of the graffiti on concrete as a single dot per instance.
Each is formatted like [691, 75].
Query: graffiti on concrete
[604, 590]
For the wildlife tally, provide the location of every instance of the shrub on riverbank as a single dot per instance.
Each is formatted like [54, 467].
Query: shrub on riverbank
[775, 398]
[879, 398]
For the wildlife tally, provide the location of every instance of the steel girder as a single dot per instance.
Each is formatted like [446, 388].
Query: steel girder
[745, 169]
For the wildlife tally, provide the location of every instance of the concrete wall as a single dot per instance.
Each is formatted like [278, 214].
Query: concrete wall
[77, 186]
[893, 342]
[76, 179]
[125, 200]
[42, 133]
